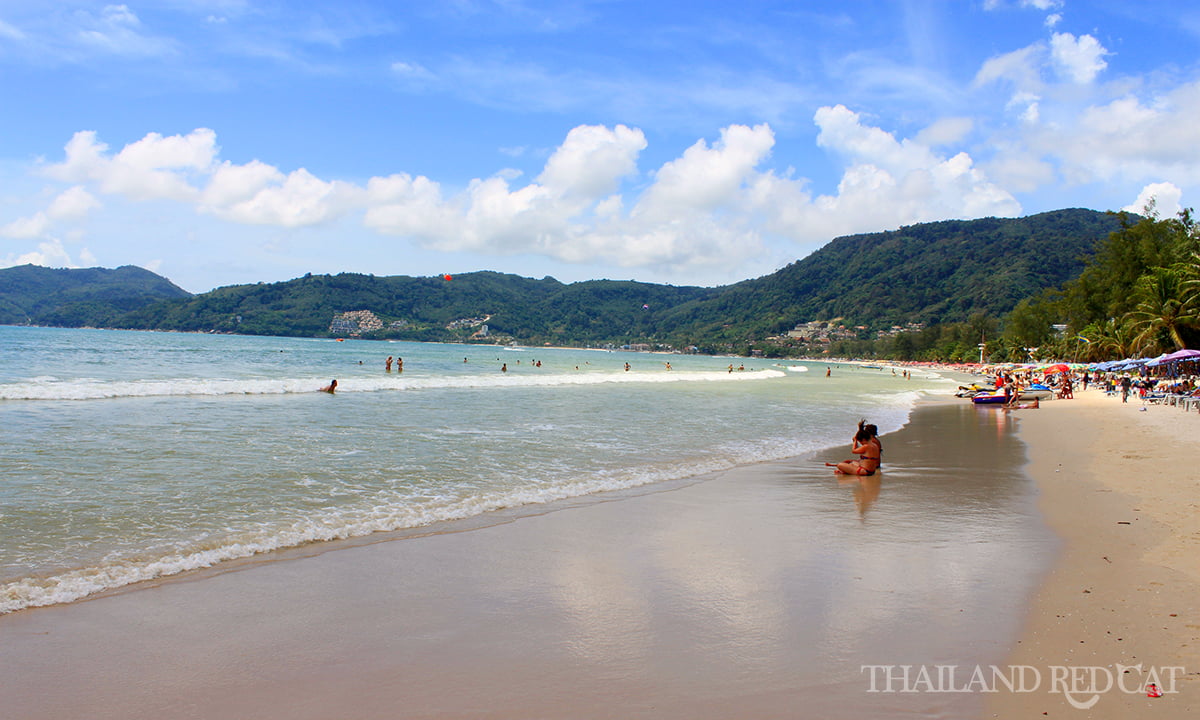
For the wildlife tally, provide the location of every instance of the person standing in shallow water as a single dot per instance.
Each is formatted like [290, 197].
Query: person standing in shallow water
[867, 446]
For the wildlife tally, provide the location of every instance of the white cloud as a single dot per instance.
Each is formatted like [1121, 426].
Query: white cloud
[1035, 4]
[301, 199]
[946, 131]
[117, 30]
[49, 253]
[72, 204]
[1021, 68]
[153, 167]
[414, 75]
[232, 184]
[887, 183]
[705, 209]
[1163, 198]
[706, 178]
[26, 228]
[1016, 168]
[592, 161]
[1131, 140]
[1079, 59]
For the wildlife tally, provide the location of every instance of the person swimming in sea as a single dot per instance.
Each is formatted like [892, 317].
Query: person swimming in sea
[867, 446]
[331, 388]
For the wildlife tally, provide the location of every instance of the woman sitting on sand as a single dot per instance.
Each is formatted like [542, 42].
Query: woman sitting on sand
[866, 444]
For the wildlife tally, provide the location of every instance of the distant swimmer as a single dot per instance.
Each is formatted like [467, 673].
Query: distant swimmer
[388, 364]
[626, 367]
[330, 388]
[828, 372]
[504, 367]
[668, 366]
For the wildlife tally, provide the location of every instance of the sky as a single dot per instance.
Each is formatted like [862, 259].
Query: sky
[221, 142]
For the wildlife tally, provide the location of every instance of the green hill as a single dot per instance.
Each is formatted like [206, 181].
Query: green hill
[929, 273]
[91, 297]
[941, 272]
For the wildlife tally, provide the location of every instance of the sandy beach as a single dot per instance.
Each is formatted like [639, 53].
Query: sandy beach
[1120, 485]
[758, 592]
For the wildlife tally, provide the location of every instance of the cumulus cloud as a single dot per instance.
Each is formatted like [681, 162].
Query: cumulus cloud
[887, 183]
[295, 200]
[72, 204]
[1079, 59]
[712, 206]
[1132, 139]
[184, 168]
[1161, 199]
[49, 253]
[593, 160]
[153, 167]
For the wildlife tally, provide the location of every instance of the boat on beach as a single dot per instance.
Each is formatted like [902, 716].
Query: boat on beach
[990, 398]
[1037, 391]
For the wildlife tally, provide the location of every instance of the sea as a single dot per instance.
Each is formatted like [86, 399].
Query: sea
[128, 456]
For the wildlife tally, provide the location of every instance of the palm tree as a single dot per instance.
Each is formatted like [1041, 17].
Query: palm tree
[1118, 339]
[1165, 303]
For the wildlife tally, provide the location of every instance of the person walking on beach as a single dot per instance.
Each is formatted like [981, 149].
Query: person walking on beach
[1126, 384]
[867, 446]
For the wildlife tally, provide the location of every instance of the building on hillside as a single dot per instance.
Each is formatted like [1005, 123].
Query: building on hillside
[355, 323]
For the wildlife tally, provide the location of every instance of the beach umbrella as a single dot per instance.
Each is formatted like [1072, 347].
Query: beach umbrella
[1184, 354]
[1159, 360]
[1055, 368]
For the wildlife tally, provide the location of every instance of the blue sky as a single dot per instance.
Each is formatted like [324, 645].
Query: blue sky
[692, 143]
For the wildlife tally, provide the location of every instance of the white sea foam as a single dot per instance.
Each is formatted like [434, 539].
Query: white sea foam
[92, 389]
[161, 493]
[383, 516]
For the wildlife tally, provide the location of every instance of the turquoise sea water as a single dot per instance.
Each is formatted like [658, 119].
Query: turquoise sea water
[128, 456]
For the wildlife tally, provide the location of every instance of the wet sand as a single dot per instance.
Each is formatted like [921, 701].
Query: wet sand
[757, 593]
[1121, 486]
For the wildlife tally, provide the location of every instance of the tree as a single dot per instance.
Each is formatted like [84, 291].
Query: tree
[1118, 339]
[1165, 304]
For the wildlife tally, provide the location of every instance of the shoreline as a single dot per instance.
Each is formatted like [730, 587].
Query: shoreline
[1125, 588]
[750, 593]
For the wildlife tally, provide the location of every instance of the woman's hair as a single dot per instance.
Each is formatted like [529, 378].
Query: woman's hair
[866, 431]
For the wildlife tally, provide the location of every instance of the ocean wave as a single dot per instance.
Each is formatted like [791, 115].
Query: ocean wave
[385, 515]
[92, 389]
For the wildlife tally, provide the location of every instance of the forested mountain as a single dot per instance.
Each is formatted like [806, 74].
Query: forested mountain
[929, 273]
[932, 273]
[91, 297]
